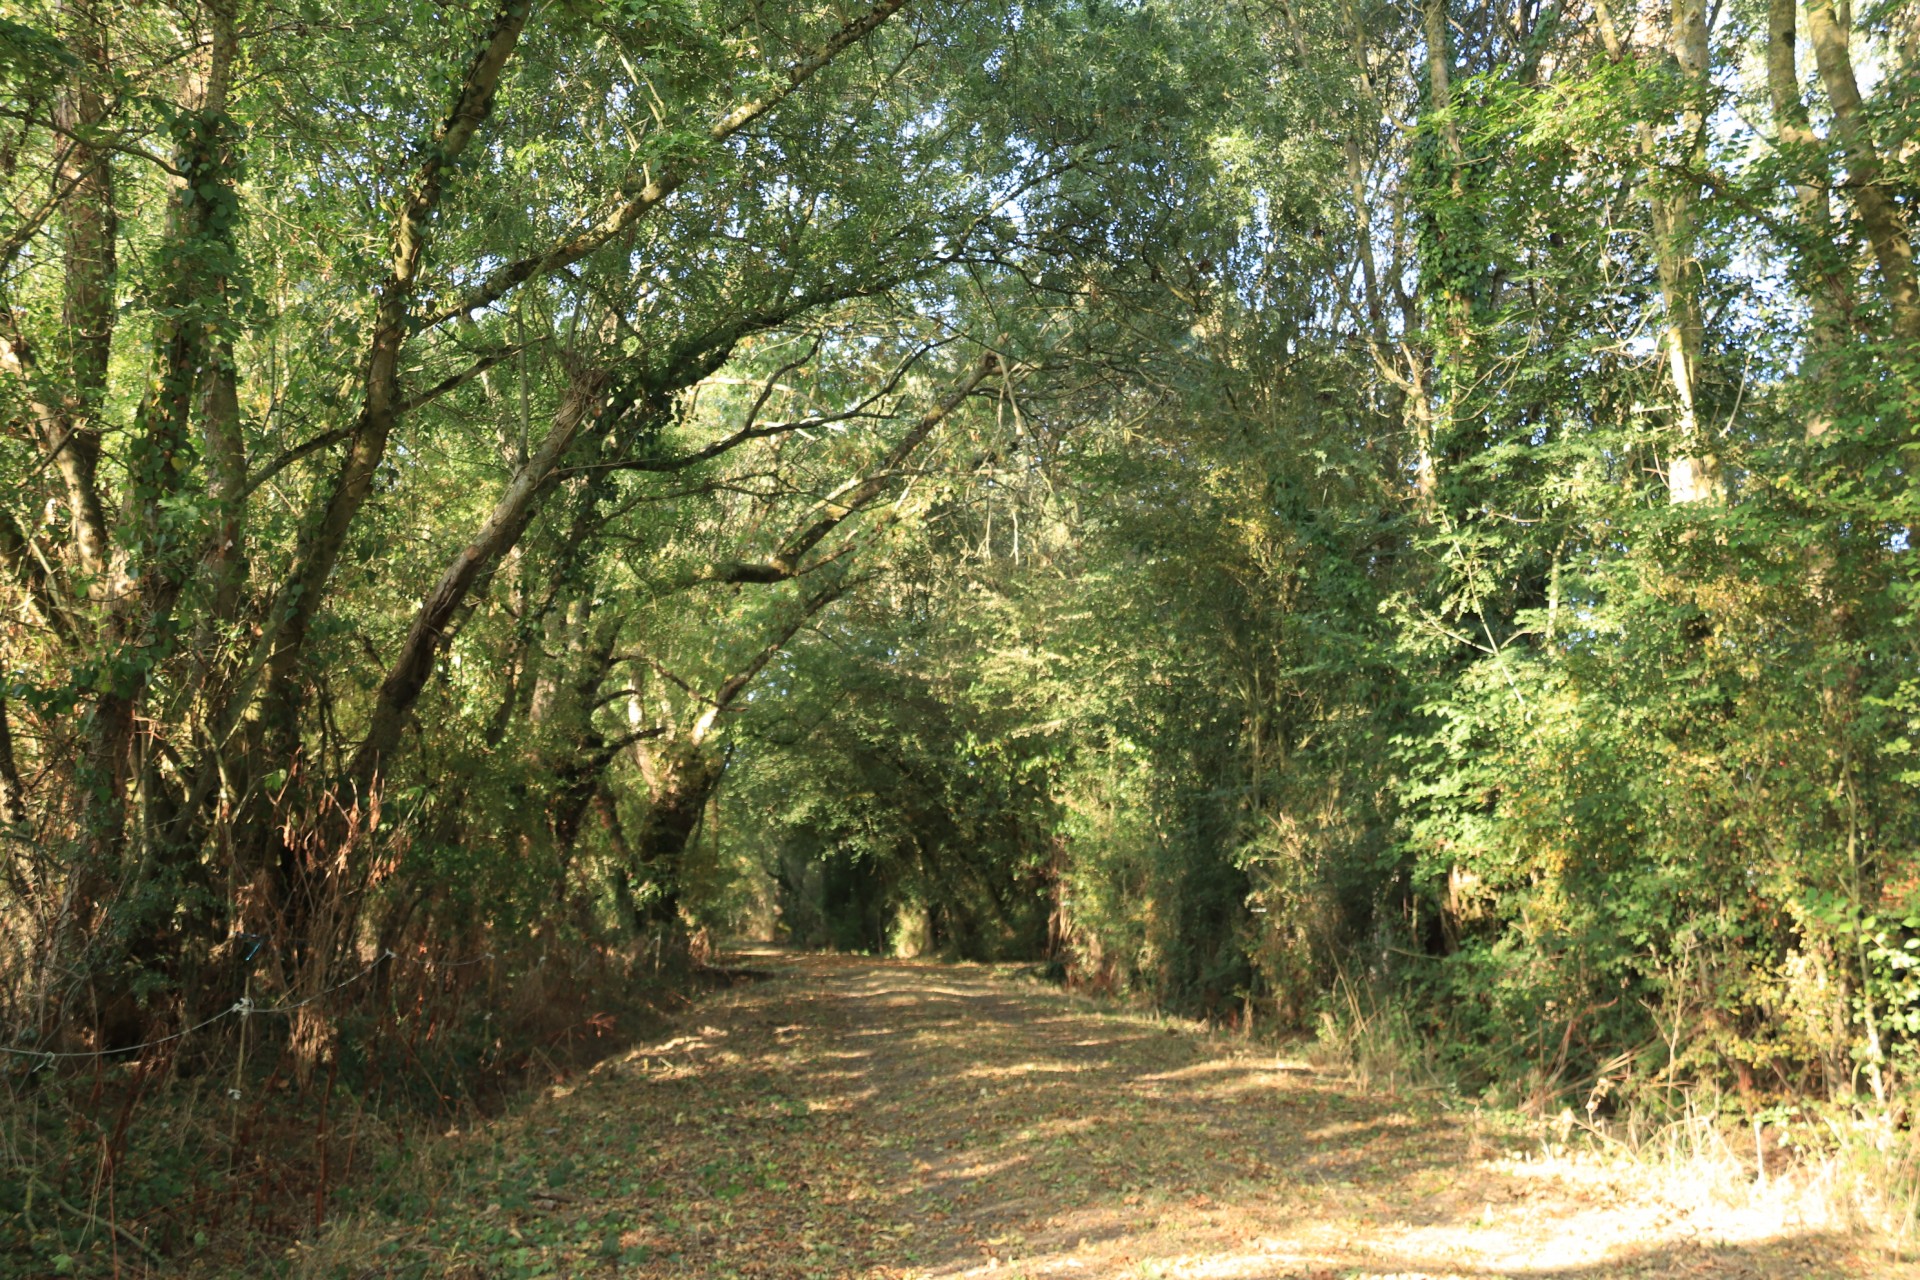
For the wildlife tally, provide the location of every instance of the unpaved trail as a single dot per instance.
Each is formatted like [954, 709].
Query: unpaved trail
[852, 1117]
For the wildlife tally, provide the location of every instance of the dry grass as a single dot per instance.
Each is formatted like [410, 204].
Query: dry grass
[1851, 1172]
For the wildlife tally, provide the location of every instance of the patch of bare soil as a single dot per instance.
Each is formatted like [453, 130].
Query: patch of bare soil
[899, 1120]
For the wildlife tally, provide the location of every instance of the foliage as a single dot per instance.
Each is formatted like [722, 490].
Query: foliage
[1276, 511]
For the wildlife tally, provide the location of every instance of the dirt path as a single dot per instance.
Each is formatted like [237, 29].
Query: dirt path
[884, 1119]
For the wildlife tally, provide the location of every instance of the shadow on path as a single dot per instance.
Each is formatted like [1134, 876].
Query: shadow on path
[853, 1117]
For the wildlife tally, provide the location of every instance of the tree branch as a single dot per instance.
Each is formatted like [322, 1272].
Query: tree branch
[672, 177]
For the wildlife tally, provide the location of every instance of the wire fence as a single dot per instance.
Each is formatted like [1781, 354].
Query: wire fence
[241, 1008]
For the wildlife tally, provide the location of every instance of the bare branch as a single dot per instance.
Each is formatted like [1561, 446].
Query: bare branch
[21, 559]
[287, 457]
[751, 432]
[454, 382]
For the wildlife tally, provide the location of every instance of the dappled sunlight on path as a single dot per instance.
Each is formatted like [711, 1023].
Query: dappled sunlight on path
[852, 1117]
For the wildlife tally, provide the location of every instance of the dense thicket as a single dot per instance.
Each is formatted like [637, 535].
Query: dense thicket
[1469, 562]
[1240, 502]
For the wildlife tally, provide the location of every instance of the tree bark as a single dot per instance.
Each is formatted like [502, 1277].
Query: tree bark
[685, 775]
[496, 535]
[13, 796]
[1829, 296]
[1693, 474]
[88, 305]
[1879, 215]
[223, 446]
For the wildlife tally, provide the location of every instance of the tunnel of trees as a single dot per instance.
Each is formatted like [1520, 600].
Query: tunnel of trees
[1252, 506]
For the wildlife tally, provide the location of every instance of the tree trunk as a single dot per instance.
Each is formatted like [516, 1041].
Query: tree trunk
[1829, 295]
[223, 445]
[624, 865]
[88, 306]
[1879, 215]
[1694, 473]
[1448, 297]
[475, 563]
[685, 773]
[381, 406]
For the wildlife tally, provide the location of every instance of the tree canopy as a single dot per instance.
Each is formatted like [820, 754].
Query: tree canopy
[1246, 504]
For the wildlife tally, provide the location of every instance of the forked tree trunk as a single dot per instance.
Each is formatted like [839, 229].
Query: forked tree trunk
[381, 407]
[686, 773]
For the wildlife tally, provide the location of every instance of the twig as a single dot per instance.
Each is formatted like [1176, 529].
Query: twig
[95, 1219]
